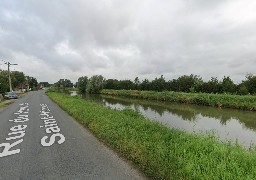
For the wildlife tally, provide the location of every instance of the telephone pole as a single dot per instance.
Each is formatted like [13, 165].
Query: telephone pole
[9, 74]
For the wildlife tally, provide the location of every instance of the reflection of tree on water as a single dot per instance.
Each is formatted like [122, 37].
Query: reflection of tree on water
[159, 109]
[189, 112]
[113, 101]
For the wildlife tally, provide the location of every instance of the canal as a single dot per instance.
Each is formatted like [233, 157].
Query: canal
[227, 124]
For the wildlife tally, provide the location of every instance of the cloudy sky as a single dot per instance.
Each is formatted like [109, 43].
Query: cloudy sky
[123, 39]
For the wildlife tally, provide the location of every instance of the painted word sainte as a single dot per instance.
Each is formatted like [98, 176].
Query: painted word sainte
[51, 128]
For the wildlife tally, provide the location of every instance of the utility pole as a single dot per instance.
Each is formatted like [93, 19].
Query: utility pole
[9, 74]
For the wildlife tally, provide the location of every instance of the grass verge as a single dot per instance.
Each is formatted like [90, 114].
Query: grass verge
[214, 100]
[5, 103]
[160, 152]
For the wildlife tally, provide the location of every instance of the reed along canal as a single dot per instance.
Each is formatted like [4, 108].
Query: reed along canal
[227, 124]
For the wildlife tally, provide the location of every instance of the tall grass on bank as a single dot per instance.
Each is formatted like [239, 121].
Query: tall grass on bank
[160, 152]
[214, 100]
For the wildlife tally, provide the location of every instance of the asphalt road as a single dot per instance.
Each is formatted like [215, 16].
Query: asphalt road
[38, 140]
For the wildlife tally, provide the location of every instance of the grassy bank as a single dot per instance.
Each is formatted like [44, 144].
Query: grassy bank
[1, 103]
[214, 100]
[160, 152]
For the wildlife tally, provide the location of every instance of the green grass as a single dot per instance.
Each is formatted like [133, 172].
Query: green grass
[214, 100]
[160, 152]
[5, 103]
[1, 103]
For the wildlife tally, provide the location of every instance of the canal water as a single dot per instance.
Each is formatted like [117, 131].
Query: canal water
[227, 124]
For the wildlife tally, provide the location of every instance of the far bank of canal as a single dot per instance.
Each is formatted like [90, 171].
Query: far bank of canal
[226, 123]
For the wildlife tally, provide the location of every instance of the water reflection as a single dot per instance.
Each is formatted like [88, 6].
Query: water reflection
[227, 123]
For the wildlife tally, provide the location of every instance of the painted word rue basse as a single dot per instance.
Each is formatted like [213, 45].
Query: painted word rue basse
[17, 132]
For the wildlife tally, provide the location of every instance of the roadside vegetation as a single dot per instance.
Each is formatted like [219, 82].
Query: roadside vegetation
[214, 100]
[186, 83]
[160, 152]
[19, 81]
[188, 89]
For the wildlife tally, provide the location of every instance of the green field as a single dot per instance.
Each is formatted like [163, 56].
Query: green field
[160, 152]
[214, 100]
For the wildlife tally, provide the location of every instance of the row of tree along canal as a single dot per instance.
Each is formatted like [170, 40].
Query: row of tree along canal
[226, 123]
[186, 83]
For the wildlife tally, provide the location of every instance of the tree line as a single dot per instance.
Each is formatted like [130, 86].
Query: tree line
[186, 83]
[19, 81]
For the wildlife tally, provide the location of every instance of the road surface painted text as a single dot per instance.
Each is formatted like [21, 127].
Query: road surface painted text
[17, 132]
[51, 128]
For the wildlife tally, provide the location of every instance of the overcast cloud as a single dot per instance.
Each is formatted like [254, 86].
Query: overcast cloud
[124, 39]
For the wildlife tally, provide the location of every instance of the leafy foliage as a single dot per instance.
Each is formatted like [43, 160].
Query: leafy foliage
[186, 83]
[32, 82]
[82, 83]
[19, 81]
[64, 83]
[95, 84]
[250, 83]
[4, 82]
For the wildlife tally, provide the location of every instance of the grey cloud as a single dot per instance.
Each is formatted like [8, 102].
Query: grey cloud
[125, 39]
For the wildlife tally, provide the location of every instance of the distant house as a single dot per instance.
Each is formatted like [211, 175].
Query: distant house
[22, 87]
[43, 84]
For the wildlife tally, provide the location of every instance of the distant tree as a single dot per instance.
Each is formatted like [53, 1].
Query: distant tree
[95, 84]
[227, 85]
[159, 84]
[172, 85]
[4, 82]
[186, 83]
[63, 84]
[212, 86]
[145, 85]
[82, 83]
[242, 89]
[250, 83]
[126, 84]
[32, 82]
[111, 84]
[18, 79]
[136, 83]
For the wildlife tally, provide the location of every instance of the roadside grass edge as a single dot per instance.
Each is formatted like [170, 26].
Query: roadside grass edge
[160, 152]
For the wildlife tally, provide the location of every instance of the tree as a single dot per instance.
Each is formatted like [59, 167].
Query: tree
[212, 86]
[159, 84]
[111, 84]
[227, 85]
[18, 79]
[242, 89]
[145, 85]
[64, 83]
[4, 85]
[82, 83]
[95, 84]
[136, 83]
[126, 84]
[32, 82]
[189, 83]
[250, 83]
